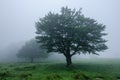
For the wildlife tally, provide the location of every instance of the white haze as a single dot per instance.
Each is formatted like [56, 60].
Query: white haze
[18, 17]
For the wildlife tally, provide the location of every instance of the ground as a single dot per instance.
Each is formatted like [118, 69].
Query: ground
[100, 69]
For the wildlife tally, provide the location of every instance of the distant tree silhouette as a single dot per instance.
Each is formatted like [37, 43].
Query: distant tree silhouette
[32, 50]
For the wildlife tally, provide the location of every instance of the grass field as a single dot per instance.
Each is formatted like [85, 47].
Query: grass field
[100, 69]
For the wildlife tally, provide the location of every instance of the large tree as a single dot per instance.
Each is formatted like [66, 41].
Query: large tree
[70, 32]
[31, 50]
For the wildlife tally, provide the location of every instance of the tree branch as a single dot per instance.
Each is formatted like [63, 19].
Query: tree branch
[75, 50]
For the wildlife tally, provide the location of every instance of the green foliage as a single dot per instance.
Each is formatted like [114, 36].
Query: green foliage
[70, 29]
[70, 32]
[53, 77]
[31, 50]
[80, 76]
[25, 68]
[25, 76]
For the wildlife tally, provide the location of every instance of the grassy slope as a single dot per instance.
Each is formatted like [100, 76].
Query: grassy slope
[106, 68]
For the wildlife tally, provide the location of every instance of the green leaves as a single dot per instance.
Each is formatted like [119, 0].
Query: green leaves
[70, 30]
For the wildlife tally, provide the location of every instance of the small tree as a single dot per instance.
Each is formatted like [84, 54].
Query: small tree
[31, 50]
[69, 33]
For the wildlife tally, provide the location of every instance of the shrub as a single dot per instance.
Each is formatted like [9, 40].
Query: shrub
[80, 76]
[53, 77]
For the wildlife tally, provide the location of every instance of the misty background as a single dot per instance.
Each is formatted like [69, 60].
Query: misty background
[18, 17]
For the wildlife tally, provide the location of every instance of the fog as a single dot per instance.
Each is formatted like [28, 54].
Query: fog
[18, 17]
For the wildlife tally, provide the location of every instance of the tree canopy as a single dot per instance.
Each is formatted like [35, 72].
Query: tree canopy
[70, 32]
[32, 50]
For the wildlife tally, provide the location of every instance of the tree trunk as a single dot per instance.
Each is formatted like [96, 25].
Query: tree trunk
[31, 60]
[69, 61]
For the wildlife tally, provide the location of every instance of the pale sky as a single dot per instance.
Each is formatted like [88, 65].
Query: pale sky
[18, 17]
